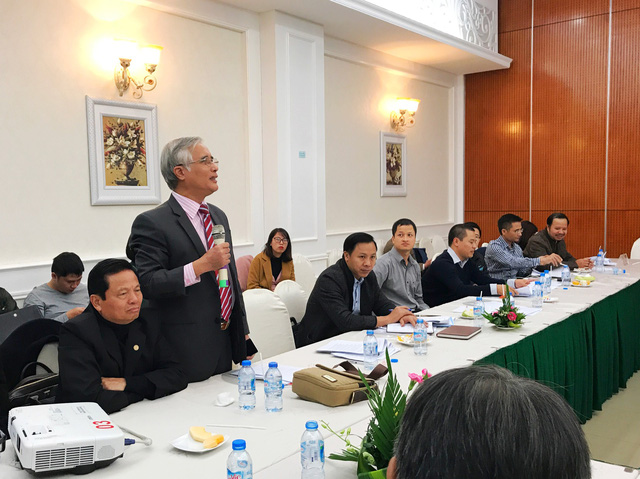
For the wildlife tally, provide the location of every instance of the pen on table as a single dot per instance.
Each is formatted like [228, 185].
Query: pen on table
[411, 310]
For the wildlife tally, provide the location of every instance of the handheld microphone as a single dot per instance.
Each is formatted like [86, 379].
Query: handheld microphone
[218, 235]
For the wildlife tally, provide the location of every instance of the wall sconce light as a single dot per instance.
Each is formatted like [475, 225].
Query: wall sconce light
[126, 50]
[403, 116]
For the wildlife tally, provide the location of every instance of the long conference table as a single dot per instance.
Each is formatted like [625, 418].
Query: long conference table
[586, 346]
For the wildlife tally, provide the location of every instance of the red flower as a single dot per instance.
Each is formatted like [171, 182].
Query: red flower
[511, 316]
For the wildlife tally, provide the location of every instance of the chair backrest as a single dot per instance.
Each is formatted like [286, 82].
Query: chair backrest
[438, 245]
[12, 320]
[635, 250]
[294, 298]
[380, 243]
[428, 246]
[49, 357]
[242, 267]
[269, 322]
[305, 276]
[333, 256]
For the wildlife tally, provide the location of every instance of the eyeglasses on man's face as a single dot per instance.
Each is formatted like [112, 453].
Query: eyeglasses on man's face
[280, 240]
[206, 161]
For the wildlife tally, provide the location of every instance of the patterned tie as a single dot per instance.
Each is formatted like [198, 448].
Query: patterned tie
[225, 293]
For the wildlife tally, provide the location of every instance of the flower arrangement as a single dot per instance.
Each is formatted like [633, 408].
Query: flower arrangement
[376, 447]
[124, 146]
[507, 316]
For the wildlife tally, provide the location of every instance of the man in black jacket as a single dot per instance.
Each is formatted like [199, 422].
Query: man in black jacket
[110, 354]
[452, 276]
[347, 298]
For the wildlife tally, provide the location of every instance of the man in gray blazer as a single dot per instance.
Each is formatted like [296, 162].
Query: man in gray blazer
[178, 265]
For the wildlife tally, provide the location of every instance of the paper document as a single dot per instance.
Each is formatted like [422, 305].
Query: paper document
[353, 350]
[407, 328]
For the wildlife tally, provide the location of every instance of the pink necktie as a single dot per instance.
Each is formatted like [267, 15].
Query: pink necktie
[225, 293]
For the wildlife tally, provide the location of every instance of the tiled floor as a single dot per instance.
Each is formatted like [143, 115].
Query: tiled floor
[613, 434]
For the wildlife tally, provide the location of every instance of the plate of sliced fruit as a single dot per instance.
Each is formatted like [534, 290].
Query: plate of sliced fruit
[199, 440]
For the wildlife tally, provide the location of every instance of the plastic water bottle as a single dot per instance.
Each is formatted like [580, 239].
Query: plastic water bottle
[478, 311]
[600, 261]
[247, 386]
[546, 287]
[536, 300]
[273, 388]
[566, 277]
[312, 452]
[239, 464]
[420, 338]
[370, 350]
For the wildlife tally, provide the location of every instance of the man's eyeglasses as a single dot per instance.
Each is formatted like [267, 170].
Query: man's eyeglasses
[208, 161]
[280, 240]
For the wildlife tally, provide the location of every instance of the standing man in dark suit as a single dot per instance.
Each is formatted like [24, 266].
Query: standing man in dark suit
[179, 266]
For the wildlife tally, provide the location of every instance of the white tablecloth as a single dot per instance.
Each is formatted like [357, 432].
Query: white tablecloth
[275, 449]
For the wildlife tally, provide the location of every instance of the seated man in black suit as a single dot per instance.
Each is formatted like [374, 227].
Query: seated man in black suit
[346, 296]
[452, 276]
[110, 354]
[478, 254]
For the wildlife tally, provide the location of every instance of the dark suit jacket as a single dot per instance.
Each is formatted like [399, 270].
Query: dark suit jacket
[444, 281]
[162, 242]
[329, 309]
[89, 350]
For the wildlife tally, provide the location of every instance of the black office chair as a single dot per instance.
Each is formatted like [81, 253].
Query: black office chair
[24, 345]
[10, 321]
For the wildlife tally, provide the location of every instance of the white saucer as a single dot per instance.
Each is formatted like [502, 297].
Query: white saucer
[407, 339]
[552, 299]
[223, 400]
[188, 444]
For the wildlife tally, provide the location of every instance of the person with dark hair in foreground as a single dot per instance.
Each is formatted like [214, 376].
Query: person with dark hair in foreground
[483, 422]
[347, 298]
[551, 240]
[63, 297]
[274, 263]
[504, 256]
[110, 354]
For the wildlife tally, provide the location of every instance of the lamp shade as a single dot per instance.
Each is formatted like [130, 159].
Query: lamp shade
[124, 48]
[407, 104]
[150, 54]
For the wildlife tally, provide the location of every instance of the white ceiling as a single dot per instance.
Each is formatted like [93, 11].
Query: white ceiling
[385, 31]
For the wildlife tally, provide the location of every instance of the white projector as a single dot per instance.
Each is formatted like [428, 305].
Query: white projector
[78, 437]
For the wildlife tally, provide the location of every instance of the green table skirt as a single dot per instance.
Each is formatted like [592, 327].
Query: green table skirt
[587, 357]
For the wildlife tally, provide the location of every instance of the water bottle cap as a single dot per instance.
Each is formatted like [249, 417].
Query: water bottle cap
[538, 283]
[420, 321]
[239, 445]
[313, 425]
[546, 271]
[394, 360]
[369, 332]
[479, 298]
[566, 266]
[246, 362]
[273, 364]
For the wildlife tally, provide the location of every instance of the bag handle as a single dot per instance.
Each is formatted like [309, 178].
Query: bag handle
[34, 363]
[377, 372]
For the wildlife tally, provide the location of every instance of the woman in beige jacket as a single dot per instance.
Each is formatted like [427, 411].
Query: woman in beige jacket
[274, 264]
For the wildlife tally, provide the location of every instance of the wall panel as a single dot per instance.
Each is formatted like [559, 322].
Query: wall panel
[554, 11]
[513, 15]
[624, 155]
[497, 132]
[619, 5]
[569, 115]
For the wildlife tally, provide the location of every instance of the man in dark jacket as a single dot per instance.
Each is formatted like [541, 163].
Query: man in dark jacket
[551, 240]
[452, 276]
[347, 298]
[110, 354]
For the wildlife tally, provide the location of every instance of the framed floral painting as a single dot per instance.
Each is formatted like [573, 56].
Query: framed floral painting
[124, 163]
[393, 164]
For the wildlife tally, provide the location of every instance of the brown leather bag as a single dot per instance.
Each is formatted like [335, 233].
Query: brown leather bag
[332, 387]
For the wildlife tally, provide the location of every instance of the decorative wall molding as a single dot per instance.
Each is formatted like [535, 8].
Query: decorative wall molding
[478, 24]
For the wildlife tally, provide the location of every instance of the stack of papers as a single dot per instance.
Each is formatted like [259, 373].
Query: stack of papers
[395, 328]
[353, 351]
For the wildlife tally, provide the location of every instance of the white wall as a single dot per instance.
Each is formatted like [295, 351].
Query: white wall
[209, 84]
